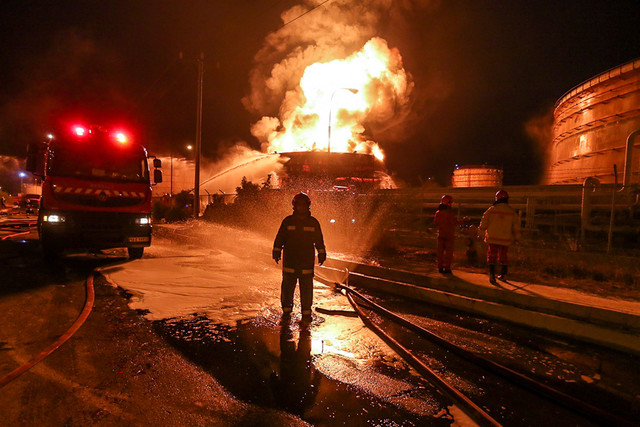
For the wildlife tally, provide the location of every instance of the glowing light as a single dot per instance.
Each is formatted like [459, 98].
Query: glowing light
[120, 137]
[189, 147]
[377, 91]
[50, 136]
[53, 218]
[22, 174]
[332, 221]
[79, 130]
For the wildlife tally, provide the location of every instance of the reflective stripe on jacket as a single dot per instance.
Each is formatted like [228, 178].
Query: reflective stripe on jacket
[298, 238]
[500, 224]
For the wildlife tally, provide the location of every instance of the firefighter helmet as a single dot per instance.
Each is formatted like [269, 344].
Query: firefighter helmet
[501, 194]
[301, 198]
[446, 200]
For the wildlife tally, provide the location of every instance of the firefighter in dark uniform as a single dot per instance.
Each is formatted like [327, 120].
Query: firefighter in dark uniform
[299, 237]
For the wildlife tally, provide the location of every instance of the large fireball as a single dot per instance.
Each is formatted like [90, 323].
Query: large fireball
[368, 86]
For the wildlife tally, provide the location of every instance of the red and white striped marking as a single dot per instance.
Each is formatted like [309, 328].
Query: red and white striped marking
[96, 191]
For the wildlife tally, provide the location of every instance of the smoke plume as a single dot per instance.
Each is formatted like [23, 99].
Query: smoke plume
[302, 65]
[540, 130]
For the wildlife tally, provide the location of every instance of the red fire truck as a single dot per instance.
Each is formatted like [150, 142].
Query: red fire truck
[96, 191]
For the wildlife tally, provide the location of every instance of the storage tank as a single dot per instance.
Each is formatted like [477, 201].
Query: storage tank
[591, 128]
[476, 176]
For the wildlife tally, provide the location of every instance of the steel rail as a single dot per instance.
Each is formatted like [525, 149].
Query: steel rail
[556, 396]
[468, 407]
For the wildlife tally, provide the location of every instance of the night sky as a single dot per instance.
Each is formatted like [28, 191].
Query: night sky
[482, 71]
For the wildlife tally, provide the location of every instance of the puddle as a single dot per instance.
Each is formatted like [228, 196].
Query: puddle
[297, 368]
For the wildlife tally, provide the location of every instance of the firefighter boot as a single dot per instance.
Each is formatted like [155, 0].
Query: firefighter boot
[492, 273]
[503, 273]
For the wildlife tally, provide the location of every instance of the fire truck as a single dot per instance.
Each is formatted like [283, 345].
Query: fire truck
[96, 191]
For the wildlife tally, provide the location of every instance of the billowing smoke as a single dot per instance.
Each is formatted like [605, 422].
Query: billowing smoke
[540, 130]
[305, 64]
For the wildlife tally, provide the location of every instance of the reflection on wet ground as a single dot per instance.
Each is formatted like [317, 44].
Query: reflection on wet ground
[300, 368]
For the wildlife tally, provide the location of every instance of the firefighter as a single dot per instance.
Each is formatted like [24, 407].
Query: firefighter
[501, 227]
[446, 222]
[299, 237]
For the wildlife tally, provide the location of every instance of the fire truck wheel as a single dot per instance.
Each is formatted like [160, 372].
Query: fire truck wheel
[135, 253]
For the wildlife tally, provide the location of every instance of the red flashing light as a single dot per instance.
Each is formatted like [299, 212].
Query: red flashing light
[121, 137]
[79, 130]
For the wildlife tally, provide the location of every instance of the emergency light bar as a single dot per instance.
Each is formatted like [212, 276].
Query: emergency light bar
[118, 136]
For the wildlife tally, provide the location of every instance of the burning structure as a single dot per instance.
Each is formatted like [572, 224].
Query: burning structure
[325, 90]
[594, 128]
[318, 170]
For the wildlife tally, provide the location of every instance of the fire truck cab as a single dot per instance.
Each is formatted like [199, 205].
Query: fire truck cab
[96, 191]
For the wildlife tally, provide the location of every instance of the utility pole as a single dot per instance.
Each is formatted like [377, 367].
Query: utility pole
[196, 190]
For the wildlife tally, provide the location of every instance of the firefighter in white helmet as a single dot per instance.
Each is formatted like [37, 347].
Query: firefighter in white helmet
[296, 243]
[501, 227]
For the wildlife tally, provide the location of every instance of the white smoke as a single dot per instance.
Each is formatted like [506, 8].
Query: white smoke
[220, 176]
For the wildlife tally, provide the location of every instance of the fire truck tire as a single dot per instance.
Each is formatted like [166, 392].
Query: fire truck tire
[135, 253]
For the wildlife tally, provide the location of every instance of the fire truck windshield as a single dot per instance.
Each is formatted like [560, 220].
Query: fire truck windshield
[98, 161]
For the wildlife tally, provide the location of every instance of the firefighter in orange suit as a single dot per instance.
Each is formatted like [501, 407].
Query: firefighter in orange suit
[501, 227]
[446, 222]
[299, 237]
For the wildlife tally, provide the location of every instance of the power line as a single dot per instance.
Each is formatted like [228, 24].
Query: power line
[301, 15]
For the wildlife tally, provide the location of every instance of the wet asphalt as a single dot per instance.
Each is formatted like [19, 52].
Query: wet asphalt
[264, 371]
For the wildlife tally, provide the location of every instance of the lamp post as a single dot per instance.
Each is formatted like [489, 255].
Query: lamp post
[21, 175]
[189, 147]
[354, 91]
[196, 190]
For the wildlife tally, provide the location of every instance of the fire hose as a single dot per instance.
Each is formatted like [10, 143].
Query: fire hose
[82, 317]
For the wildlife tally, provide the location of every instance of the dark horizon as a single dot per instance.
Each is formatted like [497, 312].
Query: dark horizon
[482, 71]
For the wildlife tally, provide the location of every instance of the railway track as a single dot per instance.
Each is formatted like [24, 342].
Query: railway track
[452, 368]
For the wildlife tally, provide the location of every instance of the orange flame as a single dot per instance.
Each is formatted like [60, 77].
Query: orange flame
[333, 101]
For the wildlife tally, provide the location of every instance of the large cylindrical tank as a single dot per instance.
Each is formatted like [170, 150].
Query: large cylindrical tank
[476, 176]
[591, 125]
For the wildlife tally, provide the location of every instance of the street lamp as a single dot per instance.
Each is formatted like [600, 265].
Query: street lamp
[188, 147]
[21, 175]
[354, 91]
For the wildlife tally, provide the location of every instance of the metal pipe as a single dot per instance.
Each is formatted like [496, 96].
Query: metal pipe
[585, 207]
[628, 160]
